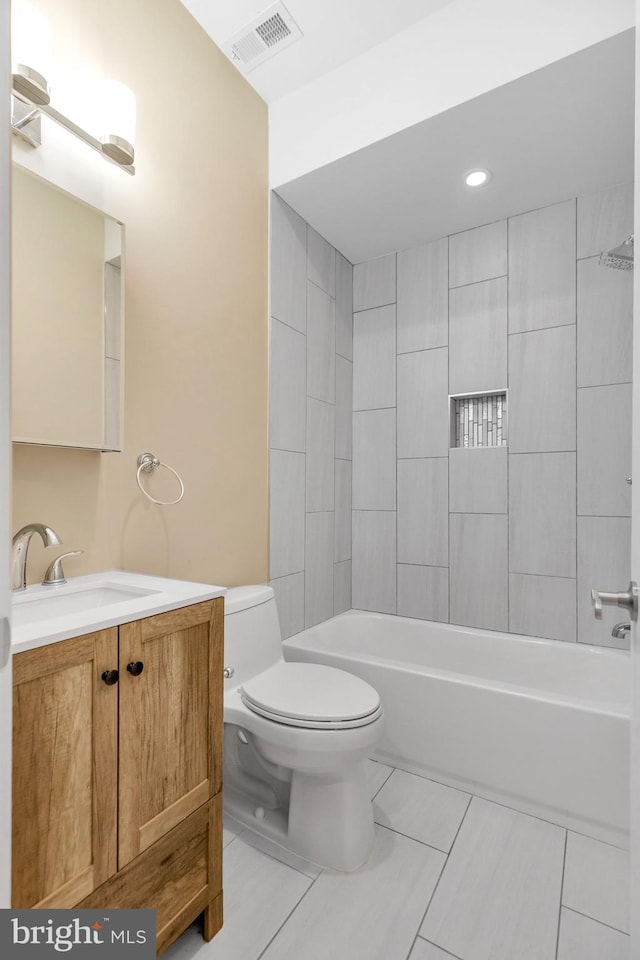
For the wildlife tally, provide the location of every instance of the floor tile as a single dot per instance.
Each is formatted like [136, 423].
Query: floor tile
[421, 809]
[499, 893]
[230, 829]
[259, 895]
[357, 916]
[584, 939]
[427, 951]
[276, 852]
[377, 775]
[596, 881]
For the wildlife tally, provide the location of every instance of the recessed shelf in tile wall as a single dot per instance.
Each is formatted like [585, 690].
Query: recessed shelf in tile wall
[478, 420]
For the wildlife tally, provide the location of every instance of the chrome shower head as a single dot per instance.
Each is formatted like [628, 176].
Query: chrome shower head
[620, 258]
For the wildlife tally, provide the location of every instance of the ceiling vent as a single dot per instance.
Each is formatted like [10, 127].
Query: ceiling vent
[267, 35]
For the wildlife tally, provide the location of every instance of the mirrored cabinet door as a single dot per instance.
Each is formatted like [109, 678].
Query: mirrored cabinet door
[67, 295]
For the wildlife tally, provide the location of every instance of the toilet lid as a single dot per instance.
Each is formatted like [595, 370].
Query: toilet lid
[313, 695]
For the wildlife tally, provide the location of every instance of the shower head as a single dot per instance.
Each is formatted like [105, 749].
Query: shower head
[620, 258]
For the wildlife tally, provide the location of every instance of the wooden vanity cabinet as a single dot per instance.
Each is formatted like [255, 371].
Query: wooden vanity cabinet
[117, 785]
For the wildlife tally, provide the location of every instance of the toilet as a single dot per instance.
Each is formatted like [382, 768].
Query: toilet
[296, 738]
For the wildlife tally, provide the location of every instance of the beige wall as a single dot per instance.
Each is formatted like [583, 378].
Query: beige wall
[196, 307]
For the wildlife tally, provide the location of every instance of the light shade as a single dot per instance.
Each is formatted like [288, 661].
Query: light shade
[115, 118]
[31, 52]
[477, 178]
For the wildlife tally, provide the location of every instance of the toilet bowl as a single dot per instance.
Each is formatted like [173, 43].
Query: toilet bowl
[296, 737]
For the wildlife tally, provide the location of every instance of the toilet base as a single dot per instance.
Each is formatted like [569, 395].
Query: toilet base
[329, 820]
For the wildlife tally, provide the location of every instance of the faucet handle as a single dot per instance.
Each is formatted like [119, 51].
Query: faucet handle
[55, 574]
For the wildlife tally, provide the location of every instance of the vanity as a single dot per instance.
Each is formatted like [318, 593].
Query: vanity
[117, 748]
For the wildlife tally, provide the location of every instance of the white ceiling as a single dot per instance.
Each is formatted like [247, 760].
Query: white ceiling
[334, 31]
[562, 131]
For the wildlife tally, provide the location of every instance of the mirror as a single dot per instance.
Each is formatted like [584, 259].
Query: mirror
[67, 296]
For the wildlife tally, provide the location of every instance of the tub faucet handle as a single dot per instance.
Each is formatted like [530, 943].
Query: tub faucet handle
[627, 599]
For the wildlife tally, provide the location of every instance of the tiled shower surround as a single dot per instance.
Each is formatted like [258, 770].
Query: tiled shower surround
[310, 422]
[510, 538]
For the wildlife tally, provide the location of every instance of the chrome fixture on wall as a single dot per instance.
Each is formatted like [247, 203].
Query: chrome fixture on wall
[620, 258]
[112, 104]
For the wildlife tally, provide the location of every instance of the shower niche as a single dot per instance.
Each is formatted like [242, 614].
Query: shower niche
[478, 419]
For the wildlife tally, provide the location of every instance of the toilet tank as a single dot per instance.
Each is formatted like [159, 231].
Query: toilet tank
[252, 638]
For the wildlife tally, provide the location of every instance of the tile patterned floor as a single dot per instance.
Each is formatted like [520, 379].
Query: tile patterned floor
[451, 877]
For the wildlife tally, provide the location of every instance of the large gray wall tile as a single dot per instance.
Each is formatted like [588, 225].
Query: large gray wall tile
[344, 407]
[289, 593]
[542, 390]
[605, 324]
[343, 511]
[318, 581]
[374, 283]
[478, 570]
[542, 606]
[288, 265]
[542, 520]
[604, 450]
[287, 387]
[478, 337]
[605, 219]
[423, 592]
[321, 345]
[341, 587]
[374, 561]
[374, 358]
[478, 254]
[344, 307]
[321, 262]
[604, 563]
[287, 513]
[423, 404]
[478, 480]
[423, 288]
[542, 268]
[423, 512]
[321, 421]
[374, 460]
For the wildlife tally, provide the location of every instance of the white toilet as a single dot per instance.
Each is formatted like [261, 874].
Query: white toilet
[296, 737]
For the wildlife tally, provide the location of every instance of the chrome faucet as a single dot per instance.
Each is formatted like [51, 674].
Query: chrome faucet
[20, 546]
[621, 631]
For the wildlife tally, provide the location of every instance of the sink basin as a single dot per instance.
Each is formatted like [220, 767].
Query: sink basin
[32, 608]
[96, 601]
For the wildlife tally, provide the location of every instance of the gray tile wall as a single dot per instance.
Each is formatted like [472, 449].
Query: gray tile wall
[363, 360]
[506, 538]
[310, 418]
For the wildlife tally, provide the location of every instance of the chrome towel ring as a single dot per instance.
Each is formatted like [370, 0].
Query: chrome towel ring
[147, 463]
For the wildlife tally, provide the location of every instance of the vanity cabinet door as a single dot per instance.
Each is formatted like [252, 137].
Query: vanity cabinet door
[170, 721]
[64, 770]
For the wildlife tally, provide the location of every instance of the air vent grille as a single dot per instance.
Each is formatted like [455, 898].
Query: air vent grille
[247, 47]
[273, 31]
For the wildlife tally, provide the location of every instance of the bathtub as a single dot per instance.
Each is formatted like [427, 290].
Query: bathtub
[539, 725]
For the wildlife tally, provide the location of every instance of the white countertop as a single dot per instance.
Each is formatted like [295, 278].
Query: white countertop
[149, 596]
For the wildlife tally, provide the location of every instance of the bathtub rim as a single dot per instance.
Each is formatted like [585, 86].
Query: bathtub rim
[608, 708]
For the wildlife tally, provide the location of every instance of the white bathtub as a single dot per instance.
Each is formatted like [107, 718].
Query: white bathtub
[540, 725]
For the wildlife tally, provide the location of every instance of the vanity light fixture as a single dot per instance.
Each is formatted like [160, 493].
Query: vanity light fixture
[477, 178]
[31, 46]
[113, 104]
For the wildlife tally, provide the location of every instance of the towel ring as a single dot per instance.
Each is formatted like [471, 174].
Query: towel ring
[147, 463]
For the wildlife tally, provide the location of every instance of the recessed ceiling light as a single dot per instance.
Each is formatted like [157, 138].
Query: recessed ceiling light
[476, 178]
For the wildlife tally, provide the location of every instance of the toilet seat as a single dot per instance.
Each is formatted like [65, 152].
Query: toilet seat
[313, 696]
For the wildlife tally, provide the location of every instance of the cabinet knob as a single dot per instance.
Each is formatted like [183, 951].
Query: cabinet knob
[135, 669]
[110, 677]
